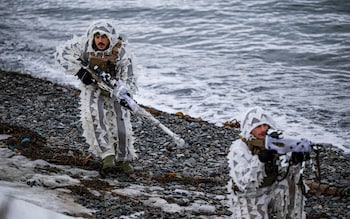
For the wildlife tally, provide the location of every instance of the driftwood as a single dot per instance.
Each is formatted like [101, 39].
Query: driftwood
[315, 188]
[325, 189]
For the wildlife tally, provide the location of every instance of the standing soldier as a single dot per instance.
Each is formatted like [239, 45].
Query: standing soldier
[106, 123]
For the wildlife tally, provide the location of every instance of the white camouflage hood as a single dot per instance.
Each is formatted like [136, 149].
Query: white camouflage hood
[102, 27]
[253, 118]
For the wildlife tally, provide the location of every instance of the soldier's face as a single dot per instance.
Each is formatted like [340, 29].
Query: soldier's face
[101, 41]
[260, 131]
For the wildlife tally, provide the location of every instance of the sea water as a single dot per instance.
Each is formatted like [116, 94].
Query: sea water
[208, 59]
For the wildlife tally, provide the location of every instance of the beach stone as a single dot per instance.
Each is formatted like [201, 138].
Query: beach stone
[196, 173]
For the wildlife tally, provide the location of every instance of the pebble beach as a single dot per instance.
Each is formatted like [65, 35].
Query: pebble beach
[194, 173]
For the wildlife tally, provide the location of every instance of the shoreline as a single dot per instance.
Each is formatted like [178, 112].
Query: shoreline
[51, 110]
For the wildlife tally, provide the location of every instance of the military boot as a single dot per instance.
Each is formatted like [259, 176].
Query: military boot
[108, 165]
[124, 167]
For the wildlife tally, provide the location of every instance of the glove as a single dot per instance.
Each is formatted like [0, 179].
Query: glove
[128, 102]
[120, 90]
[85, 76]
[266, 155]
[123, 96]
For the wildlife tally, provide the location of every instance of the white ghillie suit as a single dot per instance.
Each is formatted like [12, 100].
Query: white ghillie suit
[248, 196]
[106, 124]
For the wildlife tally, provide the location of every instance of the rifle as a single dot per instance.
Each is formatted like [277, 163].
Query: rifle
[107, 83]
[274, 141]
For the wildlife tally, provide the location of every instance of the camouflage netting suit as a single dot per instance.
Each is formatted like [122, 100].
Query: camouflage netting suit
[247, 197]
[106, 124]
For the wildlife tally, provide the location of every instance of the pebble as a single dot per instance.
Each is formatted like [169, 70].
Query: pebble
[199, 169]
